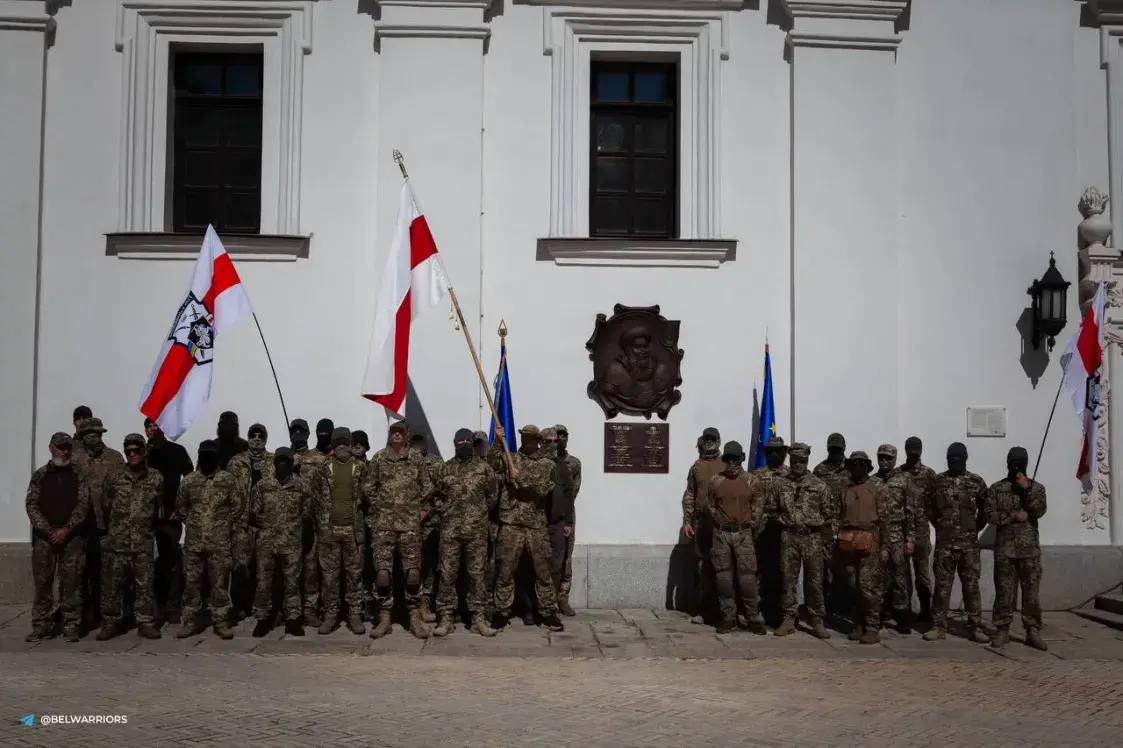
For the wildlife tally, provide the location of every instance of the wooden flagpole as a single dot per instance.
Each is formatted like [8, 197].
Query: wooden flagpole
[463, 325]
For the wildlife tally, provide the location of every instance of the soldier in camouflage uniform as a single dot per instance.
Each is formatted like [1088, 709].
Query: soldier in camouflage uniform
[734, 500]
[310, 561]
[465, 492]
[832, 471]
[131, 507]
[493, 455]
[1014, 505]
[397, 494]
[695, 518]
[278, 504]
[58, 502]
[864, 515]
[923, 480]
[801, 504]
[522, 528]
[896, 601]
[957, 510]
[208, 505]
[562, 512]
[81, 413]
[341, 527]
[360, 445]
[430, 533]
[100, 464]
[248, 468]
[767, 540]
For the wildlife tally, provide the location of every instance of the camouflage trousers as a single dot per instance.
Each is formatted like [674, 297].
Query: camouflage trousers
[341, 559]
[513, 542]
[242, 574]
[310, 568]
[921, 562]
[561, 559]
[430, 559]
[897, 596]
[833, 594]
[289, 563]
[864, 585]
[92, 571]
[139, 568]
[802, 548]
[946, 562]
[215, 567]
[492, 550]
[1009, 574]
[473, 552]
[407, 543]
[63, 561]
[168, 581]
[734, 560]
[704, 568]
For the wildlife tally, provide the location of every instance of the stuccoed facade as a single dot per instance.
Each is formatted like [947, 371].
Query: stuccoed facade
[871, 184]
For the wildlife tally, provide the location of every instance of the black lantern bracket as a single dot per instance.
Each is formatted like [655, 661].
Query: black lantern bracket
[1050, 304]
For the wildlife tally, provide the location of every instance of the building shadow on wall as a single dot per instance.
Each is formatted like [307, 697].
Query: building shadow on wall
[1033, 360]
[418, 420]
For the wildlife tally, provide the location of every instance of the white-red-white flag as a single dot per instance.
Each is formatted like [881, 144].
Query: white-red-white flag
[1082, 363]
[180, 383]
[414, 281]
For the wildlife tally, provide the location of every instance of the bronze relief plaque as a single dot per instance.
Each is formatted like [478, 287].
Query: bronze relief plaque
[636, 362]
[637, 448]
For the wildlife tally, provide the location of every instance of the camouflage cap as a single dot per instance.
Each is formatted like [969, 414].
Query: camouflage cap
[549, 433]
[530, 430]
[399, 426]
[859, 456]
[711, 433]
[799, 451]
[90, 426]
[60, 439]
[341, 434]
[480, 436]
[135, 439]
[887, 450]
[360, 437]
[257, 427]
[733, 450]
[301, 424]
[775, 442]
[837, 441]
[913, 445]
[561, 429]
[282, 453]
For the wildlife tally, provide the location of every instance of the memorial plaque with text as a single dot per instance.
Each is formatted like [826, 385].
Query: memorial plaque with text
[637, 447]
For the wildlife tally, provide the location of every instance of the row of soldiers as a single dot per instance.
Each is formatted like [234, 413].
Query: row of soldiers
[862, 537]
[306, 515]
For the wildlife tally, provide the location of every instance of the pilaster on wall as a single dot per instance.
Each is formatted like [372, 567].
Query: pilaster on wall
[25, 29]
[844, 264]
[430, 102]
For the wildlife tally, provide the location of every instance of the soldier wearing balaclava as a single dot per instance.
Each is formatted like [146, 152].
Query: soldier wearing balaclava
[694, 519]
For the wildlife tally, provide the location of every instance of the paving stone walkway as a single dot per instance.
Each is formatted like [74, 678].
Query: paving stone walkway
[613, 678]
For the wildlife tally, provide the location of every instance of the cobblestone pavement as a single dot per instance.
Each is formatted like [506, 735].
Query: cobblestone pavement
[613, 678]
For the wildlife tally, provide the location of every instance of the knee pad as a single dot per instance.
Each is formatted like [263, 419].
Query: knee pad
[382, 579]
[413, 581]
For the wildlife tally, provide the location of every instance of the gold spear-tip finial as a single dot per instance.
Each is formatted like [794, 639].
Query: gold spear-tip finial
[502, 328]
[400, 161]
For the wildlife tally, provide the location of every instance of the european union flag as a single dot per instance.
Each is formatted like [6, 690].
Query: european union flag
[767, 412]
[504, 405]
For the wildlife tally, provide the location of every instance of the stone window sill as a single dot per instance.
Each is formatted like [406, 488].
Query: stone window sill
[678, 253]
[242, 247]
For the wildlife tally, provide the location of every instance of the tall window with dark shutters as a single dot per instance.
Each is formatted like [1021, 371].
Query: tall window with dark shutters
[215, 158]
[634, 155]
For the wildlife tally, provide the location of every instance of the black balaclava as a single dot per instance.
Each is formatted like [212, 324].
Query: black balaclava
[774, 457]
[298, 435]
[323, 435]
[859, 469]
[282, 464]
[957, 458]
[710, 444]
[733, 455]
[1017, 461]
[418, 442]
[914, 448]
[463, 443]
[208, 457]
[228, 427]
[836, 449]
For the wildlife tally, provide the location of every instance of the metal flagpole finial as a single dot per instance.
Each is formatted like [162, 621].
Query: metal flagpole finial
[503, 328]
[401, 163]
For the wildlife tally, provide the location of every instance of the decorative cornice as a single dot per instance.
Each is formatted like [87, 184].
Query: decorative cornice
[842, 41]
[640, 28]
[383, 30]
[27, 15]
[242, 247]
[677, 253]
[477, 4]
[14, 23]
[168, 15]
[859, 10]
[1105, 12]
[675, 5]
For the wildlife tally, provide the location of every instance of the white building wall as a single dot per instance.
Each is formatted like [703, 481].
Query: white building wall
[929, 188]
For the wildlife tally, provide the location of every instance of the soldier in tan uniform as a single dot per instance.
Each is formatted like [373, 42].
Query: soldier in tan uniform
[695, 520]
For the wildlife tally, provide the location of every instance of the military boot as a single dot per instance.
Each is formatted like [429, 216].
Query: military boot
[698, 620]
[565, 608]
[294, 627]
[417, 625]
[329, 623]
[70, 633]
[427, 614]
[223, 631]
[855, 634]
[870, 637]
[188, 629]
[481, 627]
[382, 628]
[1000, 639]
[355, 623]
[553, 623]
[786, 628]
[818, 630]
[35, 636]
[311, 619]
[1033, 639]
[977, 635]
[262, 629]
[148, 631]
[904, 623]
[935, 634]
[444, 628]
[107, 632]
